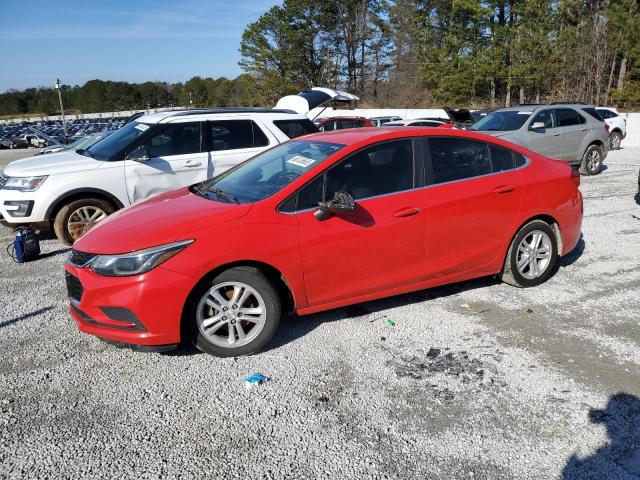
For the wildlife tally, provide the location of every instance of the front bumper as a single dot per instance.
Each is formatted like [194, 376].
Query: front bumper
[31, 208]
[141, 310]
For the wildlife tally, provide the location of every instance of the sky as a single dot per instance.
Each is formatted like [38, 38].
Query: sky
[134, 40]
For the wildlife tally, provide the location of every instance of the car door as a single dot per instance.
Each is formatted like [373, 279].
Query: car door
[473, 200]
[232, 142]
[378, 246]
[574, 127]
[546, 141]
[170, 158]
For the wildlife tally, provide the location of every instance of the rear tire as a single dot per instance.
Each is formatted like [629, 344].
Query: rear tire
[76, 218]
[615, 139]
[234, 314]
[535, 239]
[592, 160]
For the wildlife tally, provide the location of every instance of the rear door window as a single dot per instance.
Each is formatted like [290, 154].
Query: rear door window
[567, 117]
[295, 128]
[346, 123]
[235, 134]
[456, 159]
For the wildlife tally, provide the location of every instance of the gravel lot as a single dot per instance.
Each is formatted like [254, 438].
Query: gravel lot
[350, 396]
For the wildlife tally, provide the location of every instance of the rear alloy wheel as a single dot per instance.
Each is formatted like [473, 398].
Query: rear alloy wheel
[235, 314]
[531, 256]
[592, 160]
[76, 218]
[615, 139]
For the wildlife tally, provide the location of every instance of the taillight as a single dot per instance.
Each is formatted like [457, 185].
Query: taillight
[575, 176]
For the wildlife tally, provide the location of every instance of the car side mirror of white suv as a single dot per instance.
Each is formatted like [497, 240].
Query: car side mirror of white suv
[537, 126]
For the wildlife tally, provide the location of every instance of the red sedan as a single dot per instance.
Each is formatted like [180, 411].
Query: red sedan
[320, 222]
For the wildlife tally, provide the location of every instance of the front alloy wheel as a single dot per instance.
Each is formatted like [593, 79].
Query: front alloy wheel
[231, 314]
[234, 314]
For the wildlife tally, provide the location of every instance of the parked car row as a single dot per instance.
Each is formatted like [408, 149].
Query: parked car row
[307, 224]
[51, 132]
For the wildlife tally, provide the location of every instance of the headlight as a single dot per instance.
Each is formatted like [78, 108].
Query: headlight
[23, 184]
[135, 263]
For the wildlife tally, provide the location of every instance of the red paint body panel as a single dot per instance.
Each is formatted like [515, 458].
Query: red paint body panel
[390, 244]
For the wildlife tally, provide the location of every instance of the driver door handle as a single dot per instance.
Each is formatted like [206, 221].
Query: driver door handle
[503, 189]
[407, 212]
[557, 134]
[192, 163]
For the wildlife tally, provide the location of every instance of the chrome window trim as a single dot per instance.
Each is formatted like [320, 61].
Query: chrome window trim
[527, 162]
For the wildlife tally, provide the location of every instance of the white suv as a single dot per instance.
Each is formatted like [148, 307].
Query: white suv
[154, 153]
[617, 126]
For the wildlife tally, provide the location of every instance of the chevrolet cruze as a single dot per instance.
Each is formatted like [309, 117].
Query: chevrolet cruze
[316, 223]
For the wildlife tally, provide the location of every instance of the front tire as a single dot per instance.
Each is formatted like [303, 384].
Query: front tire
[592, 160]
[234, 314]
[532, 255]
[76, 218]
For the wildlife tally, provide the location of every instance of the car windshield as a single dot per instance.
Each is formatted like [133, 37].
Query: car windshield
[267, 173]
[502, 121]
[110, 145]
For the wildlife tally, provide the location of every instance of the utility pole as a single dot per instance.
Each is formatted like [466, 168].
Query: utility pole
[64, 123]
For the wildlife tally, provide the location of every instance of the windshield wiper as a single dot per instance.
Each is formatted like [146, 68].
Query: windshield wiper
[222, 194]
[84, 152]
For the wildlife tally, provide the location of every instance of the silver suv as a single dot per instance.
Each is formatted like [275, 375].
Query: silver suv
[571, 132]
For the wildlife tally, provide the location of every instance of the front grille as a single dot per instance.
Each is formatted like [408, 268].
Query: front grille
[80, 259]
[74, 287]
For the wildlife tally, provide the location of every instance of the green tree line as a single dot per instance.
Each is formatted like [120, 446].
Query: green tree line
[107, 96]
[456, 52]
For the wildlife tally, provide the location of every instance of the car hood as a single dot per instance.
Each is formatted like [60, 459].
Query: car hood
[51, 164]
[166, 218]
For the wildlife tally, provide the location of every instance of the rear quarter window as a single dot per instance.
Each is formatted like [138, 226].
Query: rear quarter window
[296, 128]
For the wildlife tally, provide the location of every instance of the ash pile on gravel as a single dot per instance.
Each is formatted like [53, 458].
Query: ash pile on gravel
[457, 364]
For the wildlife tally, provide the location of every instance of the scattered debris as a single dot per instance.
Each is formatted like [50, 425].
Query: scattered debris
[529, 310]
[391, 323]
[472, 311]
[456, 364]
[635, 216]
[255, 379]
[377, 318]
[433, 362]
[383, 339]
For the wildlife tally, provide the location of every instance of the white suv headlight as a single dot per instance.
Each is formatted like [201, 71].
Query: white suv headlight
[22, 184]
[138, 262]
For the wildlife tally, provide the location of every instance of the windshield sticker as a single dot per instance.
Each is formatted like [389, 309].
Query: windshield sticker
[525, 113]
[142, 127]
[301, 161]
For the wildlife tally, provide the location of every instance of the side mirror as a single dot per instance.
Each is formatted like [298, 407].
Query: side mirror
[537, 126]
[342, 202]
[140, 154]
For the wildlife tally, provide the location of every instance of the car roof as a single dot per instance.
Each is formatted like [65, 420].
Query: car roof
[376, 134]
[534, 107]
[198, 114]
[326, 119]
